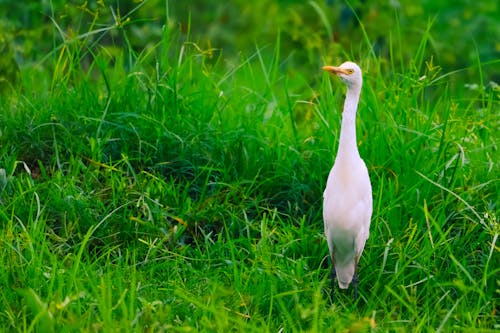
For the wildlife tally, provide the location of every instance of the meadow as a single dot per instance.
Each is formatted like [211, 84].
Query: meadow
[160, 172]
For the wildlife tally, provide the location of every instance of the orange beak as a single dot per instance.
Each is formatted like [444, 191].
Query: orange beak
[335, 70]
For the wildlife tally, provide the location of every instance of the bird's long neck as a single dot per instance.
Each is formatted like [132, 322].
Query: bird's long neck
[347, 142]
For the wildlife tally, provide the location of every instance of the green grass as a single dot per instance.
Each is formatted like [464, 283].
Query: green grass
[175, 190]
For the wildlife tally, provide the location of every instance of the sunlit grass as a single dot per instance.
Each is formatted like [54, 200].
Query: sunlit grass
[184, 194]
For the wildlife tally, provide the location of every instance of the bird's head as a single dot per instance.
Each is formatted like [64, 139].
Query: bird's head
[348, 72]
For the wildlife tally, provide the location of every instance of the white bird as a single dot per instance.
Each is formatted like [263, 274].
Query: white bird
[347, 199]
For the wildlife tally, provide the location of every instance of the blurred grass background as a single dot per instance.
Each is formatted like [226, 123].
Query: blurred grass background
[462, 31]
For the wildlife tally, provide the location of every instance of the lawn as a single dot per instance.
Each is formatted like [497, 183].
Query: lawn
[162, 166]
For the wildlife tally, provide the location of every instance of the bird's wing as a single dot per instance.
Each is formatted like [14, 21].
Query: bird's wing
[364, 230]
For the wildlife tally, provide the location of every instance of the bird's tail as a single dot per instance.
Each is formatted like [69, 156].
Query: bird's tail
[345, 274]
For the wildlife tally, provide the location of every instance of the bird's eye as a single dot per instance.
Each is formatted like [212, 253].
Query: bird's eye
[350, 71]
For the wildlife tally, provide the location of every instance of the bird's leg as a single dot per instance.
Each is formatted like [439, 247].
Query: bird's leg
[355, 279]
[355, 284]
[333, 275]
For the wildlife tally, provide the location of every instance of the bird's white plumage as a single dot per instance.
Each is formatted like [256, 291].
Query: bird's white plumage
[347, 199]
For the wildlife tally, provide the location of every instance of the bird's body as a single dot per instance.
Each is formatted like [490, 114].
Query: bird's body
[347, 199]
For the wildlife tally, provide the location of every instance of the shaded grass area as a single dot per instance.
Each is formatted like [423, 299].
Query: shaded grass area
[185, 193]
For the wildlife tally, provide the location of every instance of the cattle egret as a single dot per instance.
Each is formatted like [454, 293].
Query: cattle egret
[347, 199]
